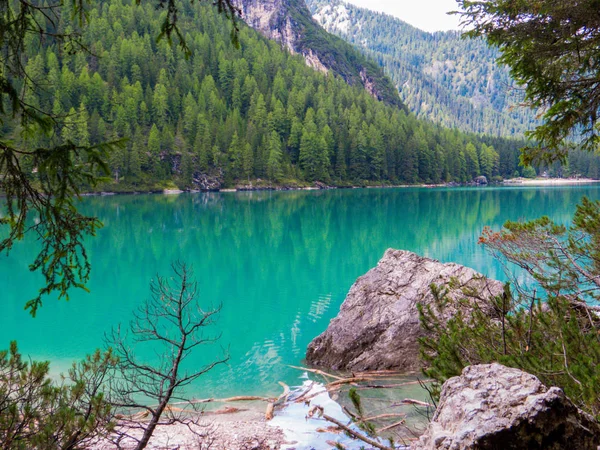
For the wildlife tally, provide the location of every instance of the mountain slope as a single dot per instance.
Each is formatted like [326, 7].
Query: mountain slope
[452, 81]
[226, 116]
[290, 23]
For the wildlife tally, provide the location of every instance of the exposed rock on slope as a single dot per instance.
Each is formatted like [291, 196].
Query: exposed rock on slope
[290, 23]
[494, 407]
[378, 324]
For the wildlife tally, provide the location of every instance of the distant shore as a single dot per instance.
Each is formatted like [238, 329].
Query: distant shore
[322, 186]
[549, 181]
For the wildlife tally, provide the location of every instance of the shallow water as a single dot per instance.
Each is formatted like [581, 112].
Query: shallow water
[280, 263]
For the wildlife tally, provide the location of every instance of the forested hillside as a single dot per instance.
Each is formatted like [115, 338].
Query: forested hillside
[441, 76]
[227, 115]
[290, 23]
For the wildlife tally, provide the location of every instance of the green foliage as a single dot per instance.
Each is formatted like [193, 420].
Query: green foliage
[37, 413]
[50, 198]
[529, 172]
[551, 48]
[341, 58]
[355, 399]
[553, 341]
[169, 101]
[441, 77]
[40, 177]
[555, 335]
[366, 426]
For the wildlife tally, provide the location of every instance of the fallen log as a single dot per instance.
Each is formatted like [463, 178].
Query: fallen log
[411, 401]
[389, 427]
[286, 392]
[226, 410]
[355, 434]
[391, 386]
[383, 416]
[318, 372]
[345, 381]
[383, 373]
[239, 398]
[269, 411]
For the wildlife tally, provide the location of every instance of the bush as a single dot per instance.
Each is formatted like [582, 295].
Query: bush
[555, 336]
[556, 341]
[37, 413]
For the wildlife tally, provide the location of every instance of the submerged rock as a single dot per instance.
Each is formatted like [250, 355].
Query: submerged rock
[378, 323]
[491, 406]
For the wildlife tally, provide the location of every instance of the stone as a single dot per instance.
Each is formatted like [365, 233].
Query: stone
[480, 180]
[378, 324]
[209, 182]
[490, 406]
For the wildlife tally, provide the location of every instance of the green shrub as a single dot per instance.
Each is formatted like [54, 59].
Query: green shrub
[37, 413]
[555, 336]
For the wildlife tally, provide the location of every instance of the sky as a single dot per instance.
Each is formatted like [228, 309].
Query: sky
[428, 15]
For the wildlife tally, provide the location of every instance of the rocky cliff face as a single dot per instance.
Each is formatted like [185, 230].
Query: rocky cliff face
[378, 323]
[290, 23]
[491, 406]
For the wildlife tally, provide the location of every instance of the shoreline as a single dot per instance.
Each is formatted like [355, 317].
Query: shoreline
[323, 187]
[549, 181]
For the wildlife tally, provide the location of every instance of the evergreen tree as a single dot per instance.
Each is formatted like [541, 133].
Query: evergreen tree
[472, 161]
[274, 165]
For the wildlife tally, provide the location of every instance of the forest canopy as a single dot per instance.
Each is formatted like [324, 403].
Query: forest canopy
[552, 49]
[235, 114]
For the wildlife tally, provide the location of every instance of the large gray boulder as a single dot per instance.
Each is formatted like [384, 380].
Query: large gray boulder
[378, 323]
[491, 406]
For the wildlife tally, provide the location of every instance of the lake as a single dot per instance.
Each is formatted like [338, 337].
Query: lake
[280, 263]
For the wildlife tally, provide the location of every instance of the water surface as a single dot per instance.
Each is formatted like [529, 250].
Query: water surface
[280, 263]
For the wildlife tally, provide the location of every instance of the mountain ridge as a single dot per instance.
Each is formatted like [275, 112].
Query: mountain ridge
[440, 76]
[290, 23]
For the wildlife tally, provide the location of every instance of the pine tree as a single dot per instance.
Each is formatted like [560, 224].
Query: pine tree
[274, 165]
[472, 161]
[69, 130]
[235, 155]
[247, 160]
[82, 132]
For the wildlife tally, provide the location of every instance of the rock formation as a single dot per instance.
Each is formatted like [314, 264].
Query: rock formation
[491, 406]
[378, 323]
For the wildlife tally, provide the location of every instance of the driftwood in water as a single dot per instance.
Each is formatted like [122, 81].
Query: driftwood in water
[355, 434]
[345, 381]
[286, 392]
[382, 374]
[412, 401]
[269, 411]
[318, 372]
[239, 398]
[391, 386]
[383, 416]
[389, 427]
[281, 399]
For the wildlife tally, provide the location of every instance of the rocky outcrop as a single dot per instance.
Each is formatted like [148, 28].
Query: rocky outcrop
[269, 17]
[208, 182]
[378, 323]
[290, 23]
[494, 407]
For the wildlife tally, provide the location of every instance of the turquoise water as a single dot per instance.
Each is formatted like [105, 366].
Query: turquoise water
[280, 263]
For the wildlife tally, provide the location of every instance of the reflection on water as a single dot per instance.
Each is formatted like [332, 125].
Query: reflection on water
[280, 263]
[319, 307]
